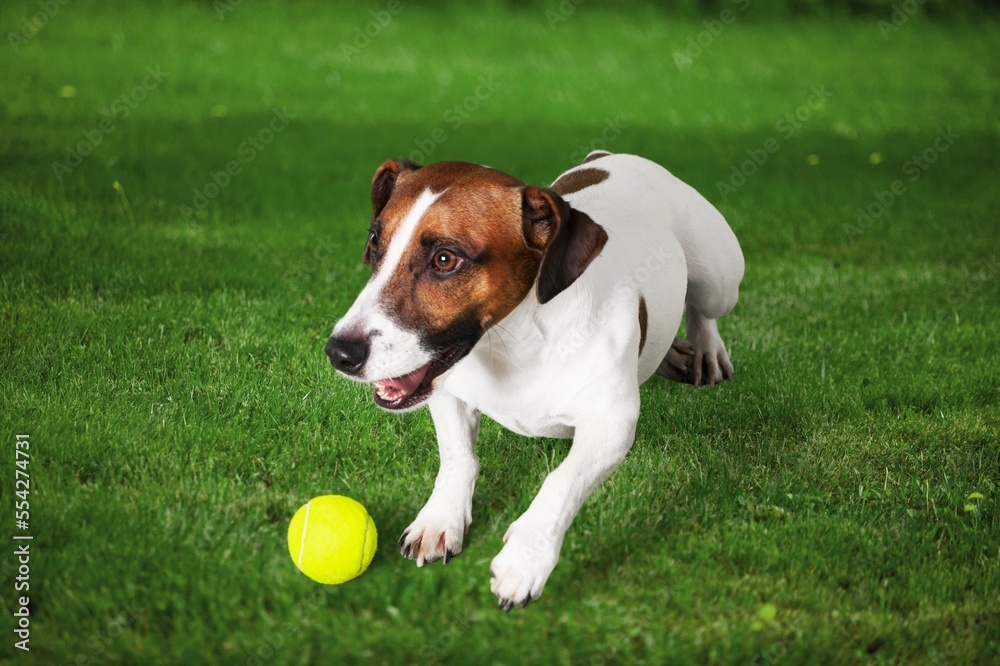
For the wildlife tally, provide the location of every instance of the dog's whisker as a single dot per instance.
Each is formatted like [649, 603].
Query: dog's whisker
[506, 349]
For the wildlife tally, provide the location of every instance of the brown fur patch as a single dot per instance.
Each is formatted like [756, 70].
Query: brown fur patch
[479, 218]
[578, 180]
[643, 323]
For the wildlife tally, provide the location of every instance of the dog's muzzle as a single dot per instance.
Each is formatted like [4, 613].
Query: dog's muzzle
[350, 355]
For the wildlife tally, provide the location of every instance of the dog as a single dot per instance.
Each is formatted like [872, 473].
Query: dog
[544, 308]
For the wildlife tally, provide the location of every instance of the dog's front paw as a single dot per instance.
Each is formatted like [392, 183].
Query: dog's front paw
[519, 572]
[433, 536]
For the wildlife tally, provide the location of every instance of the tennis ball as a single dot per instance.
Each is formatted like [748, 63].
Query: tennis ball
[332, 539]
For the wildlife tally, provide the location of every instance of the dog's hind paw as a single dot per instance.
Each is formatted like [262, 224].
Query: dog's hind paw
[676, 365]
[701, 360]
[428, 540]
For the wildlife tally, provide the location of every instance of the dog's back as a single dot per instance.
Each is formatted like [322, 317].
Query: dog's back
[662, 234]
[654, 197]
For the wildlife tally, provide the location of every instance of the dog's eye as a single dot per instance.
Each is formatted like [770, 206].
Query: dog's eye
[371, 249]
[445, 261]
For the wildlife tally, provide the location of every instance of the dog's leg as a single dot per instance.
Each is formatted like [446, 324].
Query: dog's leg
[532, 543]
[439, 528]
[701, 358]
[715, 269]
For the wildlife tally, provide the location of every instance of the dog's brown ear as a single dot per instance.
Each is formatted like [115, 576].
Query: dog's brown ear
[383, 183]
[567, 239]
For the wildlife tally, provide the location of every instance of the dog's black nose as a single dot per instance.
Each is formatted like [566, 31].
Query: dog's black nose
[347, 354]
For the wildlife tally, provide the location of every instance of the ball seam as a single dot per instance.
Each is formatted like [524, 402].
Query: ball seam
[302, 542]
[364, 543]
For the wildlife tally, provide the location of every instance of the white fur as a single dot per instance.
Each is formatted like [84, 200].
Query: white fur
[572, 368]
[393, 351]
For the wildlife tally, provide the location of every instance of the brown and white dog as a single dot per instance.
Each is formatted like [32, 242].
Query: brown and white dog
[543, 308]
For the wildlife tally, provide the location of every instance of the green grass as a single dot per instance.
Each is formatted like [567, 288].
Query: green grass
[170, 371]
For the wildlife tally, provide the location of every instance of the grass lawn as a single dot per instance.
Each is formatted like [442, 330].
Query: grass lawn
[183, 205]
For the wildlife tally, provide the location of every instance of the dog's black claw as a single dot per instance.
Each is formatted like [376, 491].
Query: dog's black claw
[413, 547]
[448, 556]
[402, 538]
[506, 605]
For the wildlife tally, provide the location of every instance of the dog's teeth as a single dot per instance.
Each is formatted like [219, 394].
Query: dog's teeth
[387, 393]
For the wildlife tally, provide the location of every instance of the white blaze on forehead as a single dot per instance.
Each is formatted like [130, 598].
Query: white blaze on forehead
[401, 239]
[367, 300]
[393, 351]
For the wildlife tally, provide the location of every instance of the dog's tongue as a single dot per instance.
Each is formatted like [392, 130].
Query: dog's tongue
[396, 388]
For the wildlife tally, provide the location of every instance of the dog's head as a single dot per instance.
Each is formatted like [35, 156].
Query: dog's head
[454, 248]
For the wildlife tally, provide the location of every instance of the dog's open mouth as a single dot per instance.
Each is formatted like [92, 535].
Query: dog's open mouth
[413, 388]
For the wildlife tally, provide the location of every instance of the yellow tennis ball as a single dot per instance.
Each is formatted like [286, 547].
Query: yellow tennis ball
[332, 539]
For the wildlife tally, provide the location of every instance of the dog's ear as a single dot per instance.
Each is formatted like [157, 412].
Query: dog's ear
[567, 239]
[383, 183]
